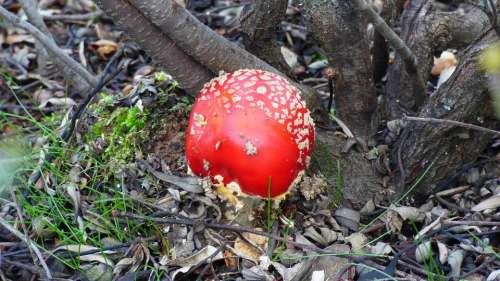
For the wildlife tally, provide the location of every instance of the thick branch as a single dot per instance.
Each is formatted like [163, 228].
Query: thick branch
[342, 34]
[259, 25]
[196, 39]
[190, 74]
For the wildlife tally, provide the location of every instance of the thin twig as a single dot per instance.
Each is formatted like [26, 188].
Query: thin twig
[74, 17]
[28, 242]
[472, 223]
[396, 42]
[34, 252]
[452, 123]
[49, 44]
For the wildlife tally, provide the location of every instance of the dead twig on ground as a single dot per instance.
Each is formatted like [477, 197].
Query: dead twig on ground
[50, 45]
[34, 254]
[452, 123]
[73, 17]
[31, 245]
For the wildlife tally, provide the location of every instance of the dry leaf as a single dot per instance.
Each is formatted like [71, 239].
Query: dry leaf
[381, 248]
[196, 258]
[357, 240]
[490, 203]
[251, 251]
[423, 251]
[393, 221]
[443, 252]
[494, 276]
[455, 261]
[19, 38]
[105, 48]
[290, 57]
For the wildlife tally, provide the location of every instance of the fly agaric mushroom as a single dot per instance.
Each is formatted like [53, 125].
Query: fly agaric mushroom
[251, 132]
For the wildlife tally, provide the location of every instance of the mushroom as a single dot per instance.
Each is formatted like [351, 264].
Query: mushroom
[444, 66]
[250, 132]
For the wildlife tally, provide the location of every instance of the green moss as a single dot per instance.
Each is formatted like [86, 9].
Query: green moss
[121, 130]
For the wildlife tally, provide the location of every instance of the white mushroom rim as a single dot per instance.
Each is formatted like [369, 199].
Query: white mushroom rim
[235, 188]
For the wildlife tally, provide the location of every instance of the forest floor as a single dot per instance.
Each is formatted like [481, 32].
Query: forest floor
[105, 206]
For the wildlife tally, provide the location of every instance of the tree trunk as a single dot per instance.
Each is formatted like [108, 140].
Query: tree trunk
[259, 24]
[341, 32]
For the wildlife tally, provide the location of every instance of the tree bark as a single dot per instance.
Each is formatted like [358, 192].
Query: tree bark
[341, 32]
[203, 44]
[259, 24]
[190, 74]
[464, 97]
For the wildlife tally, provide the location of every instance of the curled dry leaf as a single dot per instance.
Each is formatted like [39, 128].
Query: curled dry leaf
[289, 273]
[443, 252]
[368, 207]
[318, 275]
[105, 48]
[122, 265]
[290, 56]
[381, 248]
[348, 218]
[256, 273]
[253, 250]
[423, 251]
[434, 225]
[196, 258]
[101, 258]
[393, 221]
[455, 261]
[490, 203]
[41, 227]
[357, 240]
[494, 276]
[11, 39]
[409, 213]
[325, 236]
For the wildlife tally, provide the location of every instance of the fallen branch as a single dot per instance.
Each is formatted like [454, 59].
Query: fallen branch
[49, 44]
[452, 123]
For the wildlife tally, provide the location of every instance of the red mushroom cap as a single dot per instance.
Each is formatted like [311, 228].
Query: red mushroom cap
[249, 129]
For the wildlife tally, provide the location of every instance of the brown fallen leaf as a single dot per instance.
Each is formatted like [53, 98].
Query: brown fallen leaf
[104, 48]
